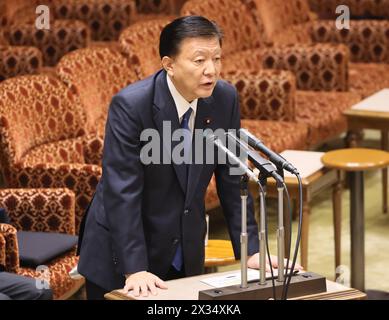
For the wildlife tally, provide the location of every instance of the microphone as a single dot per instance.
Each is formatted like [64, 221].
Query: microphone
[259, 162]
[232, 157]
[274, 157]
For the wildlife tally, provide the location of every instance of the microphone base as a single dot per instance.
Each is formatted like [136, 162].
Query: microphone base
[301, 284]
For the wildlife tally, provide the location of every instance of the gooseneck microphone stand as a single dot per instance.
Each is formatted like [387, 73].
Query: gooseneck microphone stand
[280, 231]
[262, 230]
[243, 235]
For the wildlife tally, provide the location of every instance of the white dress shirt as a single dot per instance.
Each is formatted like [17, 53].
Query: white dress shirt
[182, 105]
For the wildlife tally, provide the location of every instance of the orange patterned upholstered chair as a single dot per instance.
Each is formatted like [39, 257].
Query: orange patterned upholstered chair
[245, 47]
[3, 14]
[139, 43]
[157, 9]
[3, 41]
[19, 60]
[42, 138]
[40, 210]
[105, 18]
[63, 35]
[359, 9]
[289, 22]
[95, 75]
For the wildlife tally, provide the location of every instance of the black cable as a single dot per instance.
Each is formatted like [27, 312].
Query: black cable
[290, 238]
[298, 240]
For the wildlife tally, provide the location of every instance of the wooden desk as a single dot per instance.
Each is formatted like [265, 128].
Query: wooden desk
[188, 289]
[372, 113]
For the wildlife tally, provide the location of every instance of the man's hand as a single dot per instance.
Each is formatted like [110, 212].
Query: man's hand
[142, 282]
[253, 263]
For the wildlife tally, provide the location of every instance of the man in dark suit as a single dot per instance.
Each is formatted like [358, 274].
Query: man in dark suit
[146, 222]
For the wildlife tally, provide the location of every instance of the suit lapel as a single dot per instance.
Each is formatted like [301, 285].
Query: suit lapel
[203, 120]
[164, 109]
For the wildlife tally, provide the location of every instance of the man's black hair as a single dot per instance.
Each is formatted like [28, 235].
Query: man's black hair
[186, 27]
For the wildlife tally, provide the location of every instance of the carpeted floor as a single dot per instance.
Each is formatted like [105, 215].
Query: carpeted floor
[321, 236]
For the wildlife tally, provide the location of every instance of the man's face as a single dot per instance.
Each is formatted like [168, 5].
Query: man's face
[196, 68]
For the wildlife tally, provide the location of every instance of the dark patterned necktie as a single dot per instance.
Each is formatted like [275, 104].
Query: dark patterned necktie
[178, 258]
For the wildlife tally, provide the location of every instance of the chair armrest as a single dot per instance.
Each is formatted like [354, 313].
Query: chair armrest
[80, 178]
[316, 67]
[41, 210]
[2, 252]
[265, 94]
[93, 149]
[11, 247]
[367, 40]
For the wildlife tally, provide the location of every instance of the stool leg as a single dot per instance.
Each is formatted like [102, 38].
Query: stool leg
[304, 235]
[385, 145]
[353, 138]
[357, 228]
[337, 216]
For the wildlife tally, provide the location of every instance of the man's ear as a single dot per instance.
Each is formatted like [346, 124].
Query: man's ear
[167, 64]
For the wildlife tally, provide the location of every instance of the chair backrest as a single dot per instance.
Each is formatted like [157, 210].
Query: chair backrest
[241, 30]
[105, 18]
[62, 37]
[35, 110]
[19, 60]
[140, 44]
[95, 75]
[282, 17]
[160, 6]
[3, 15]
[3, 41]
[18, 11]
[367, 9]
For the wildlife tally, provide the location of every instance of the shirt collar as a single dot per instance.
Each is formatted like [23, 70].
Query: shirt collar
[182, 104]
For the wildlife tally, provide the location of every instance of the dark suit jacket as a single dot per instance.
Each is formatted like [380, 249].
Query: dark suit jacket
[140, 213]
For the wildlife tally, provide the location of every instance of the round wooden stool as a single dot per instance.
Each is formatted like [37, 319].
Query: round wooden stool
[356, 161]
[218, 253]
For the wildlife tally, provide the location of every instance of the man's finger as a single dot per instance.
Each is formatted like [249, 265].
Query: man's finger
[128, 286]
[296, 266]
[160, 283]
[151, 286]
[135, 288]
[144, 289]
